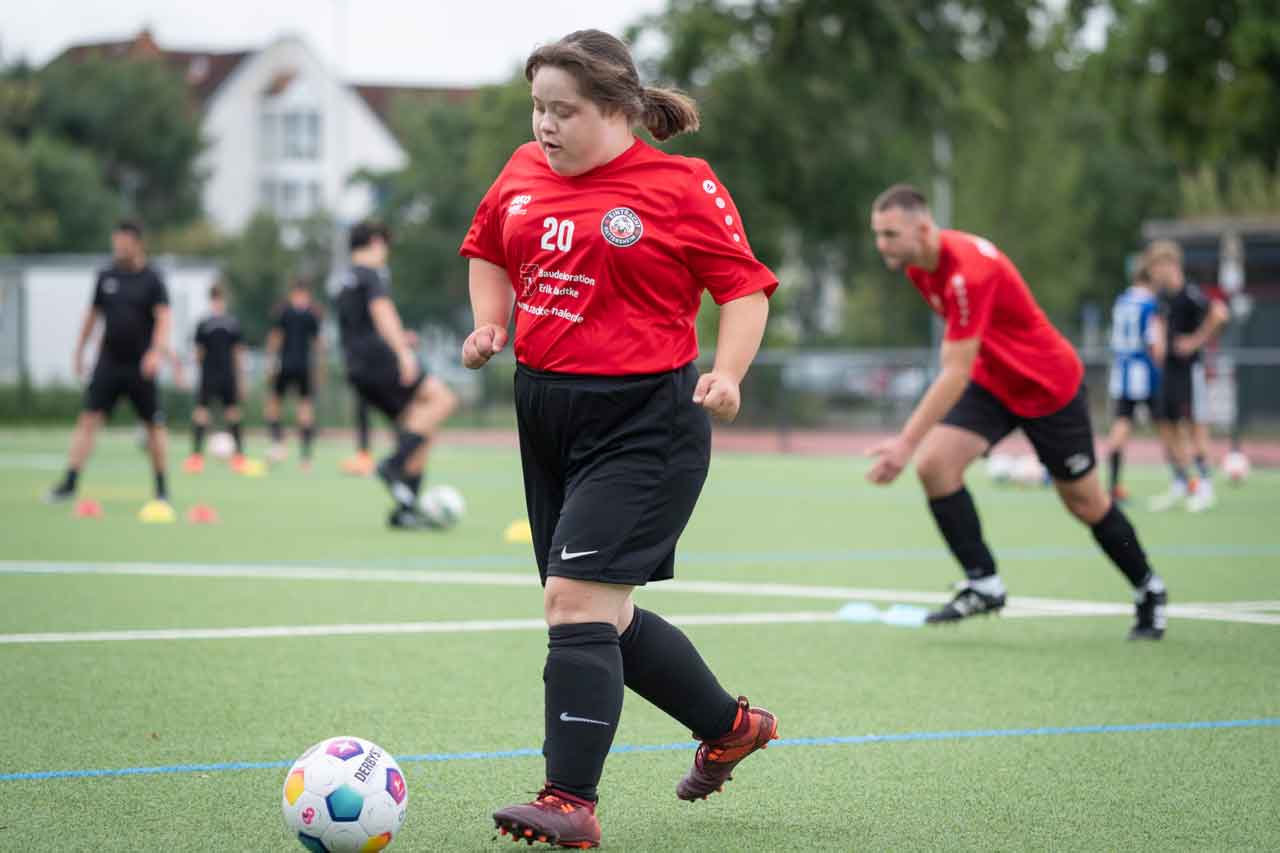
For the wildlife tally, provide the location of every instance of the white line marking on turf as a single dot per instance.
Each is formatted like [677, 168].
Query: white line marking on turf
[454, 627]
[1019, 606]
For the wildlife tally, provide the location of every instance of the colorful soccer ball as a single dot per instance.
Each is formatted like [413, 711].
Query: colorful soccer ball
[444, 505]
[344, 794]
[1236, 467]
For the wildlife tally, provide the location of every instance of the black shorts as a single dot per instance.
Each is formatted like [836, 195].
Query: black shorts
[220, 387]
[1063, 441]
[1125, 408]
[300, 379]
[1182, 395]
[112, 380]
[613, 467]
[382, 389]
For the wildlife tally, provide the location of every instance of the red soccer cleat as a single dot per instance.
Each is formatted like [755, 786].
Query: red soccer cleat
[714, 762]
[553, 818]
[193, 464]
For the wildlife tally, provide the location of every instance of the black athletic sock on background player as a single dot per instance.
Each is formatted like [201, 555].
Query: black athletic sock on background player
[69, 480]
[406, 443]
[238, 436]
[197, 438]
[1116, 460]
[1119, 541]
[1202, 467]
[162, 488]
[362, 426]
[308, 436]
[662, 666]
[277, 433]
[958, 521]
[583, 688]
[414, 482]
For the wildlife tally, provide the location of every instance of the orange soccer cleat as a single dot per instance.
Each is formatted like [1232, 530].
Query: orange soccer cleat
[194, 464]
[360, 465]
[714, 762]
[553, 818]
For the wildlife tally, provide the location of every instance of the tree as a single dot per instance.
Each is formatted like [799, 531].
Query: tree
[257, 267]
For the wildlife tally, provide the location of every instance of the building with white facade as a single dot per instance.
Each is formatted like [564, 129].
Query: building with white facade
[284, 134]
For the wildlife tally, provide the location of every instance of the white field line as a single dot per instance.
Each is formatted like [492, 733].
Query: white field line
[454, 627]
[1018, 607]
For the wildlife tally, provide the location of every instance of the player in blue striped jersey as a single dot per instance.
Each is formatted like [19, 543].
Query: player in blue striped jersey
[1137, 347]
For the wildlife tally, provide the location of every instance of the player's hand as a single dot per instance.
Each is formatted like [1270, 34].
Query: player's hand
[411, 339]
[408, 366]
[891, 458]
[719, 395]
[1185, 345]
[483, 344]
[151, 363]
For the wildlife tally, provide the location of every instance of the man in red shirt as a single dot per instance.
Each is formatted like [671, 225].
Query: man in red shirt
[1004, 366]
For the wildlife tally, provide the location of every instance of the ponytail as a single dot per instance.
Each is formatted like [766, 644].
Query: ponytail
[668, 112]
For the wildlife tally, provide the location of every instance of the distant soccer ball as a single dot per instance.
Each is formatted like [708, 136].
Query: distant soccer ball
[344, 794]
[221, 445]
[1236, 467]
[443, 504]
[1000, 467]
[1027, 471]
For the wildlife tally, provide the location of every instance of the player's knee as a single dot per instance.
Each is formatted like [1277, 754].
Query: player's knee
[938, 473]
[1088, 507]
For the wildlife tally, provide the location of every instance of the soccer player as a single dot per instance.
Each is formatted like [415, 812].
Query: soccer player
[133, 303]
[1004, 366]
[1191, 320]
[220, 354]
[384, 370]
[292, 342]
[1137, 346]
[604, 245]
[360, 464]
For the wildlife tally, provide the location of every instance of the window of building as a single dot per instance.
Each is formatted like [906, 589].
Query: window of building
[301, 135]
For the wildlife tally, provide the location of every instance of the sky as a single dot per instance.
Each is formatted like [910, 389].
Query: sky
[385, 41]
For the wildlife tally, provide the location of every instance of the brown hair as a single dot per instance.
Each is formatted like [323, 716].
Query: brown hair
[1162, 250]
[215, 291]
[606, 75]
[903, 196]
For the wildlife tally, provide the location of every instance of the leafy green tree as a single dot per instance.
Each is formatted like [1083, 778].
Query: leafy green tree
[257, 267]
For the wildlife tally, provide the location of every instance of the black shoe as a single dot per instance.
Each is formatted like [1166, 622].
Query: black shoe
[59, 494]
[407, 518]
[1149, 608]
[393, 478]
[968, 602]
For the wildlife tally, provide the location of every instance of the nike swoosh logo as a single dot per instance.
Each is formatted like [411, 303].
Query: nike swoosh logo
[565, 718]
[566, 554]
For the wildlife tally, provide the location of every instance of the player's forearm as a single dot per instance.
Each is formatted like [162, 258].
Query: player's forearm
[944, 393]
[491, 295]
[86, 329]
[742, 324]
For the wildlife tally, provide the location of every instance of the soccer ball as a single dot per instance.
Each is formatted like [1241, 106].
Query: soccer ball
[221, 445]
[1027, 471]
[344, 794]
[1000, 467]
[444, 505]
[1236, 467]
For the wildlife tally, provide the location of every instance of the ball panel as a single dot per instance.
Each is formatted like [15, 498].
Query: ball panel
[345, 804]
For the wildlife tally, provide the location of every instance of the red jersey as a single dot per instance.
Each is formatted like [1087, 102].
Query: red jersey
[1023, 360]
[609, 266]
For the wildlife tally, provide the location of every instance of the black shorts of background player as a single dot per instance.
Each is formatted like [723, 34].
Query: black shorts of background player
[220, 355]
[384, 370]
[293, 342]
[131, 300]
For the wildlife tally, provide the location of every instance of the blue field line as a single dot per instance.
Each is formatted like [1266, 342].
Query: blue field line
[905, 737]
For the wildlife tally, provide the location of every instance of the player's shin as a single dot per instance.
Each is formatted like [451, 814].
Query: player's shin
[958, 522]
[583, 689]
[1119, 541]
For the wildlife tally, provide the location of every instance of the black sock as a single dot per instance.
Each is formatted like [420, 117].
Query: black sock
[277, 434]
[236, 434]
[1179, 473]
[414, 482]
[1202, 467]
[958, 522]
[1120, 542]
[69, 480]
[162, 490]
[661, 665]
[308, 435]
[1117, 461]
[406, 444]
[583, 683]
[197, 438]
[362, 426]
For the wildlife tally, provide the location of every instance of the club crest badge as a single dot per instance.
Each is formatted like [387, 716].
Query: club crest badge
[622, 227]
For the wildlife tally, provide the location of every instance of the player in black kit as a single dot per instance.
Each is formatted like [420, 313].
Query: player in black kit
[294, 337]
[133, 303]
[384, 370]
[220, 354]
